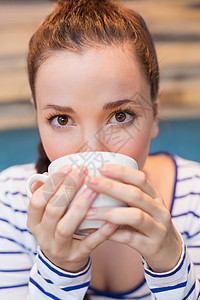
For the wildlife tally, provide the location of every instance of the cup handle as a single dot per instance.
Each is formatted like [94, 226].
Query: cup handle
[34, 178]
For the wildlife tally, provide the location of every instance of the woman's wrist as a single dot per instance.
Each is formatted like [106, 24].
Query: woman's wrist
[71, 267]
[169, 262]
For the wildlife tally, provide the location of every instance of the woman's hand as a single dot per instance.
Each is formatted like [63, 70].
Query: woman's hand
[146, 224]
[53, 223]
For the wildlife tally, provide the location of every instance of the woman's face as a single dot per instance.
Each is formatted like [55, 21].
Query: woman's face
[97, 100]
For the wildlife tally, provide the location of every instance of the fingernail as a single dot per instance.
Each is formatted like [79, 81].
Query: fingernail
[111, 225]
[91, 180]
[104, 168]
[82, 171]
[91, 212]
[89, 193]
[66, 169]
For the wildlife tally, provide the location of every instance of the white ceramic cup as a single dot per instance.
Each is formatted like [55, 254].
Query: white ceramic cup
[92, 160]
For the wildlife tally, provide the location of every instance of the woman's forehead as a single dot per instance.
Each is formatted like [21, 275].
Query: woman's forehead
[105, 73]
[111, 62]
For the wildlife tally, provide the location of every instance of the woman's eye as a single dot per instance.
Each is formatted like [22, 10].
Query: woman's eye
[122, 117]
[60, 121]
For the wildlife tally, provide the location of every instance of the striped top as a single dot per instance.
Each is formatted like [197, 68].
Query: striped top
[26, 274]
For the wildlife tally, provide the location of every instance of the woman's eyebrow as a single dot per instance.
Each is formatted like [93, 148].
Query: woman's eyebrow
[64, 109]
[107, 106]
[115, 104]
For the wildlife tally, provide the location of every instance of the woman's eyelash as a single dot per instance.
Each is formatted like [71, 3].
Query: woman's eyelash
[127, 110]
[53, 116]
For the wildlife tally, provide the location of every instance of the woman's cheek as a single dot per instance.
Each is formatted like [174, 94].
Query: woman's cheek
[56, 146]
[137, 147]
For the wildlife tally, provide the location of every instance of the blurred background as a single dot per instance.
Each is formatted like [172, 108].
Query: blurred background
[175, 26]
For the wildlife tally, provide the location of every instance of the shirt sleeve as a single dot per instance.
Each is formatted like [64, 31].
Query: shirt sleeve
[181, 283]
[25, 273]
[48, 281]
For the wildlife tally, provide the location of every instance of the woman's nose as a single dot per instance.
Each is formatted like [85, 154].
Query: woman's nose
[93, 145]
[94, 142]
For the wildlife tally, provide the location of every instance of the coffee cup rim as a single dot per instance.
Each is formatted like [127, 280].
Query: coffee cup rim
[118, 155]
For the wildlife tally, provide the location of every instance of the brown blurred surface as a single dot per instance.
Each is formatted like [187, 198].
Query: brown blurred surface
[175, 26]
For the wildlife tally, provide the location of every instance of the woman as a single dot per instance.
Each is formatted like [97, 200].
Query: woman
[92, 70]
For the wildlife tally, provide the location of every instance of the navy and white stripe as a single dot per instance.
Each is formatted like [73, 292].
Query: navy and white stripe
[25, 272]
[179, 283]
[47, 279]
